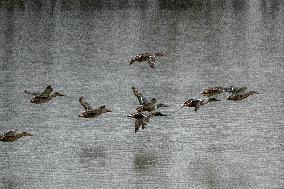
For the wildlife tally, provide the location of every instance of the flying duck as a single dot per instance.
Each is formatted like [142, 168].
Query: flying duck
[235, 90]
[146, 57]
[212, 91]
[45, 96]
[89, 111]
[13, 135]
[142, 119]
[241, 96]
[146, 105]
[196, 103]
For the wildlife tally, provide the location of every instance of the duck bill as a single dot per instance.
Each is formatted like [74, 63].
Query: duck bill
[108, 110]
[60, 94]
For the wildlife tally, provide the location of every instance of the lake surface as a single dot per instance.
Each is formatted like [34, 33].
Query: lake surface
[82, 48]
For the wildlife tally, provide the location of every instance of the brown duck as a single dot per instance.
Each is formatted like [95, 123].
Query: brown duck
[242, 96]
[45, 96]
[151, 59]
[13, 135]
[146, 105]
[89, 111]
[212, 91]
[196, 103]
[142, 119]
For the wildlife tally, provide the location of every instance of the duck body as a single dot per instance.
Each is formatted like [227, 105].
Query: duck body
[235, 90]
[196, 103]
[213, 91]
[146, 105]
[45, 96]
[151, 59]
[141, 119]
[89, 111]
[13, 136]
[150, 106]
[241, 96]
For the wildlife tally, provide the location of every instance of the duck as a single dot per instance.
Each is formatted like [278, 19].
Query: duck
[150, 106]
[89, 111]
[45, 96]
[196, 103]
[146, 57]
[235, 90]
[146, 105]
[237, 97]
[12, 135]
[143, 119]
[212, 91]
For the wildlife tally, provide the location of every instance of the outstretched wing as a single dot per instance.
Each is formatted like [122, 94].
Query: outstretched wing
[85, 104]
[142, 100]
[46, 92]
[240, 90]
[133, 60]
[138, 123]
[32, 93]
[197, 106]
[10, 133]
[152, 61]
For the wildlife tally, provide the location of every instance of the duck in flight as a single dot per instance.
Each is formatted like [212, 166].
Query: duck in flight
[237, 97]
[141, 119]
[196, 103]
[212, 91]
[146, 105]
[45, 96]
[235, 90]
[13, 135]
[89, 111]
[151, 59]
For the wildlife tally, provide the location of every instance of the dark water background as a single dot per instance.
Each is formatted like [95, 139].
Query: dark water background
[82, 48]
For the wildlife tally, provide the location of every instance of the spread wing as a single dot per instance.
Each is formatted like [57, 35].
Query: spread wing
[142, 100]
[46, 92]
[197, 106]
[10, 133]
[32, 93]
[240, 91]
[152, 61]
[85, 104]
[138, 123]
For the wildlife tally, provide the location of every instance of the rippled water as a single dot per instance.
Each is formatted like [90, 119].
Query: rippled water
[82, 48]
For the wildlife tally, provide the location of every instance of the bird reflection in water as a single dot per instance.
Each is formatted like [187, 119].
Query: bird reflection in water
[144, 161]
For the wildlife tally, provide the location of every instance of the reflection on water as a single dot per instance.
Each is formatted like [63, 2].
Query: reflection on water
[144, 161]
[82, 48]
[92, 155]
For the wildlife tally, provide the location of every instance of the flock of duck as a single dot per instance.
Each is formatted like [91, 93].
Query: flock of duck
[141, 117]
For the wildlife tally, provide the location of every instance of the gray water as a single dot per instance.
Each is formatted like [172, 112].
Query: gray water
[82, 48]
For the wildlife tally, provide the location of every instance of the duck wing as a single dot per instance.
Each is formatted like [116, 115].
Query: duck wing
[152, 61]
[85, 104]
[197, 106]
[46, 92]
[142, 100]
[138, 123]
[240, 90]
[10, 133]
[32, 93]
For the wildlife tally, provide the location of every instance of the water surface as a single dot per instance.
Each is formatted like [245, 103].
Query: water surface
[82, 48]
